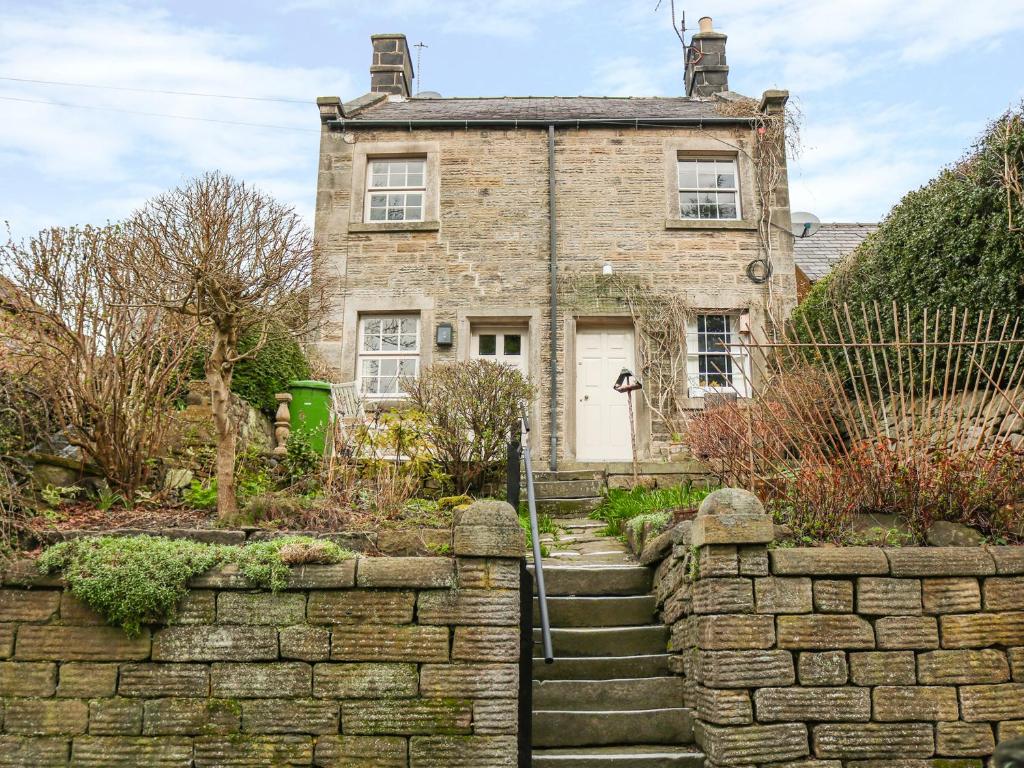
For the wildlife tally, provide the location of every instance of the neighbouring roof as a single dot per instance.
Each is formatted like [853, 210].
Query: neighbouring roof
[532, 108]
[818, 254]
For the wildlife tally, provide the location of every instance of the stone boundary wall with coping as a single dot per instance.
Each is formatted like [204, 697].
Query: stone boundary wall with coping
[842, 657]
[382, 662]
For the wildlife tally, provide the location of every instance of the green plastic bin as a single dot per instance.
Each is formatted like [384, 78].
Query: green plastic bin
[311, 411]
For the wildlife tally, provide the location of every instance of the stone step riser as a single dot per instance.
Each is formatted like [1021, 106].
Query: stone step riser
[591, 729]
[613, 668]
[606, 642]
[642, 693]
[623, 581]
[568, 489]
[559, 507]
[624, 758]
[580, 474]
[597, 611]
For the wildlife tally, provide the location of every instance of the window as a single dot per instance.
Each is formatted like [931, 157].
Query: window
[500, 345]
[389, 347]
[716, 361]
[708, 189]
[395, 189]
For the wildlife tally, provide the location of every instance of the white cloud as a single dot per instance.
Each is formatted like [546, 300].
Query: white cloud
[495, 18]
[104, 161]
[627, 76]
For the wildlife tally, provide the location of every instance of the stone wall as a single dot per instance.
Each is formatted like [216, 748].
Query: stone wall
[383, 662]
[843, 657]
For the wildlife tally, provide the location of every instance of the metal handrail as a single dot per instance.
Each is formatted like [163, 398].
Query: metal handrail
[538, 565]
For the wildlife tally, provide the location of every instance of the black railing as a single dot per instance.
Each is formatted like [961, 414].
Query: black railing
[538, 565]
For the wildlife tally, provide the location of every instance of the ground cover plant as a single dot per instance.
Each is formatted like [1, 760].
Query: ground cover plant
[136, 580]
[621, 506]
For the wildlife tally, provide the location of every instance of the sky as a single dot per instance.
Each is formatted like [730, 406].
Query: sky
[889, 90]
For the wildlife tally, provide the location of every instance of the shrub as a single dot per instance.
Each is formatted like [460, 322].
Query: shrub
[130, 581]
[112, 362]
[956, 242]
[470, 411]
[657, 521]
[300, 460]
[621, 505]
[258, 378]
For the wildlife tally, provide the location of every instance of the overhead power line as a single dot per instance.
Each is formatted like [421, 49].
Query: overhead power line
[155, 90]
[155, 114]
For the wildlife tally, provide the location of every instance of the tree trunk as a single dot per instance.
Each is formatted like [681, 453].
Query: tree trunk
[218, 375]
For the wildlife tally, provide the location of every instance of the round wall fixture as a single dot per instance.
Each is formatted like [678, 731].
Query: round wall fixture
[759, 271]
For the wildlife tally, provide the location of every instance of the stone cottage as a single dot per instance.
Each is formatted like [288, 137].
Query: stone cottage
[506, 228]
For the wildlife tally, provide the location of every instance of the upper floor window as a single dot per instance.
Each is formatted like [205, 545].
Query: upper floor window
[389, 351]
[708, 189]
[395, 189]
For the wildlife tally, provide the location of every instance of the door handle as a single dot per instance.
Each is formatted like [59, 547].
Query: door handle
[585, 397]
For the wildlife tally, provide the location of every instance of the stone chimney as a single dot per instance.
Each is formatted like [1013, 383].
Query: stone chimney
[707, 72]
[391, 70]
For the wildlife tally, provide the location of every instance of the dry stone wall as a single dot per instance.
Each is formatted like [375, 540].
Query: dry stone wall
[375, 662]
[844, 657]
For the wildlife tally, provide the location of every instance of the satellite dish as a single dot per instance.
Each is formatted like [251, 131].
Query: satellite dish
[427, 95]
[804, 224]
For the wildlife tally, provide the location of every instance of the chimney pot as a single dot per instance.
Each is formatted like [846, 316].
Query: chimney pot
[707, 71]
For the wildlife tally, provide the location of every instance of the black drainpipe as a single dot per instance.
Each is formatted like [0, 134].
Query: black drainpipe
[553, 267]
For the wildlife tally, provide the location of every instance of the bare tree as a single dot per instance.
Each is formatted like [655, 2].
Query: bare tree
[112, 367]
[235, 262]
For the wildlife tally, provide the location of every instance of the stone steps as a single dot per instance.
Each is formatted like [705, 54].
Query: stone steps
[571, 728]
[596, 611]
[609, 698]
[642, 693]
[568, 489]
[595, 581]
[556, 507]
[602, 668]
[570, 474]
[619, 757]
[606, 641]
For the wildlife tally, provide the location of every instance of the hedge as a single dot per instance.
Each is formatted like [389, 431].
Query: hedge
[946, 244]
[257, 379]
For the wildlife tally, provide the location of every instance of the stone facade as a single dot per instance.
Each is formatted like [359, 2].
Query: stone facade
[482, 253]
[844, 657]
[387, 662]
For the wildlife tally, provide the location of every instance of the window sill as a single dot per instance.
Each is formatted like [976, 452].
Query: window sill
[710, 224]
[394, 226]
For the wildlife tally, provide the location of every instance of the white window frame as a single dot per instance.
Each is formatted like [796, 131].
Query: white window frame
[380, 355]
[521, 362]
[737, 353]
[390, 189]
[698, 190]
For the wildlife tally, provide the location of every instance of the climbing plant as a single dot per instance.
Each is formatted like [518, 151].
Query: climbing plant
[776, 135]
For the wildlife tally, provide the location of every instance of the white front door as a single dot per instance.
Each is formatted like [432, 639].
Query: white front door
[502, 345]
[602, 416]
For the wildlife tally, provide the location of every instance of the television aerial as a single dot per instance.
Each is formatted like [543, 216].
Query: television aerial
[804, 224]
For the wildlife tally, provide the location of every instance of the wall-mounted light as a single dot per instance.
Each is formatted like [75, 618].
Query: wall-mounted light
[607, 269]
[443, 334]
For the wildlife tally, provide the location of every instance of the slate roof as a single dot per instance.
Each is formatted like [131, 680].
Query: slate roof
[536, 108]
[818, 254]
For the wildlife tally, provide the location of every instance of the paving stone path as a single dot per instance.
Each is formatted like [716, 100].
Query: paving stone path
[609, 699]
